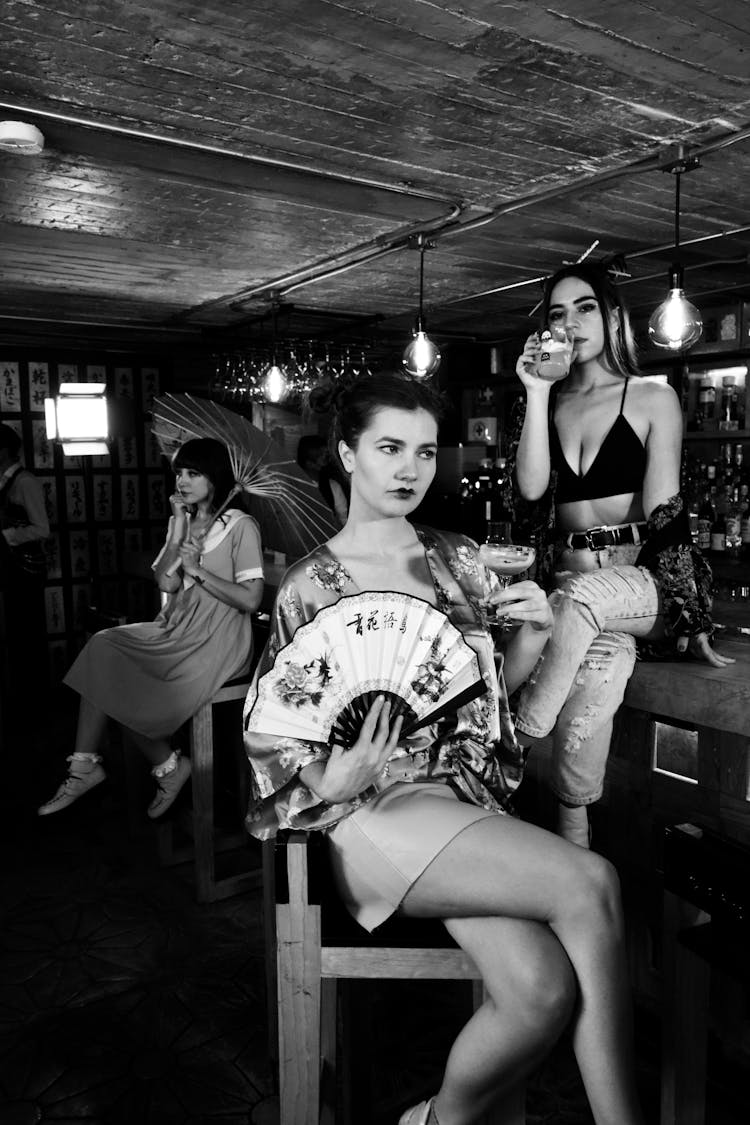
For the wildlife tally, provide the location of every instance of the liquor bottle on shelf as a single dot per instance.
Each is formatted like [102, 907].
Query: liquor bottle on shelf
[690, 482]
[482, 495]
[719, 535]
[726, 455]
[732, 525]
[744, 522]
[706, 518]
[706, 408]
[728, 410]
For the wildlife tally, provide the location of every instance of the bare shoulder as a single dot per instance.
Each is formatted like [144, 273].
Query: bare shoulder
[658, 398]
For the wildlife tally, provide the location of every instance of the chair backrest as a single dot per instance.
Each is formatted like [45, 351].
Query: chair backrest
[304, 894]
[304, 878]
[317, 945]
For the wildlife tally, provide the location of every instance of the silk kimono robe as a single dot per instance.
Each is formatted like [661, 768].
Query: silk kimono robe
[474, 749]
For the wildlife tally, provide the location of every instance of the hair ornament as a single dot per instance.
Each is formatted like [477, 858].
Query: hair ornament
[613, 265]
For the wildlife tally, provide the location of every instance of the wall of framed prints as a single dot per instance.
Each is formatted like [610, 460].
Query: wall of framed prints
[102, 510]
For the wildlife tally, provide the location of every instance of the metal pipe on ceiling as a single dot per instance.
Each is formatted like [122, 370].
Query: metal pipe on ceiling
[216, 150]
[444, 227]
[332, 265]
[635, 168]
[660, 249]
[640, 167]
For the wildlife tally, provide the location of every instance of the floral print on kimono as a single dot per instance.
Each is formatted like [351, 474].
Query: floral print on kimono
[475, 749]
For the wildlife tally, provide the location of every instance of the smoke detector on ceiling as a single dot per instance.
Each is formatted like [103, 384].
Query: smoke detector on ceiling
[20, 138]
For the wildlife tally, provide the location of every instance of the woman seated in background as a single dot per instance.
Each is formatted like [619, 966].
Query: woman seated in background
[152, 676]
[417, 826]
[603, 447]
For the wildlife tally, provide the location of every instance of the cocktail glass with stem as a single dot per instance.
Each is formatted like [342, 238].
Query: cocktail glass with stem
[507, 560]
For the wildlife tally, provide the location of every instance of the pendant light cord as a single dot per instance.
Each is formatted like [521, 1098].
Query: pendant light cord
[677, 214]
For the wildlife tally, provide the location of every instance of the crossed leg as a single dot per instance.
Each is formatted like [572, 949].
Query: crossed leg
[502, 870]
[531, 993]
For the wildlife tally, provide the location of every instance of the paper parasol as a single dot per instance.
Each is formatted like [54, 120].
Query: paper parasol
[292, 515]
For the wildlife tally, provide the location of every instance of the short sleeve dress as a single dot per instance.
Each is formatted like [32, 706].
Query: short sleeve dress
[153, 675]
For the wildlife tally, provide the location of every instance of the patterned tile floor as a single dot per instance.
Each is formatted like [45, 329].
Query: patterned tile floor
[123, 1002]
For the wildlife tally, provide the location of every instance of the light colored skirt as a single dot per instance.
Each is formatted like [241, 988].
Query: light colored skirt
[380, 850]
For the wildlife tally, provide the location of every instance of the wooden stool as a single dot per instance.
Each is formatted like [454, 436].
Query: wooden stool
[309, 965]
[204, 843]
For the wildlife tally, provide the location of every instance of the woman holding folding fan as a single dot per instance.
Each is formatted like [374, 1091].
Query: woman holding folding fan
[417, 824]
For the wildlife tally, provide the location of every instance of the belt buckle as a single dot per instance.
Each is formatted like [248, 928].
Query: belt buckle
[592, 531]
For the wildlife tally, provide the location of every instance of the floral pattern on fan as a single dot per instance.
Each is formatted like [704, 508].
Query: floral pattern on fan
[322, 684]
[302, 683]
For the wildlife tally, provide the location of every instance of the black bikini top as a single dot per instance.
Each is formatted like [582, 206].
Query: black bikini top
[619, 466]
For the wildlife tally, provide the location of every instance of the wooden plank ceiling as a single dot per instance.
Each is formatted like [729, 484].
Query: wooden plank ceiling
[204, 160]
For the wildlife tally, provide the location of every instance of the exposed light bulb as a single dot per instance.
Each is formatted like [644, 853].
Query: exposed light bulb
[676, 323]
[274, 384]
[421, 357]
[21, 138]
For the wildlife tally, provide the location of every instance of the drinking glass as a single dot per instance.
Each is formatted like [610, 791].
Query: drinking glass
[556, 353]
[506, 559]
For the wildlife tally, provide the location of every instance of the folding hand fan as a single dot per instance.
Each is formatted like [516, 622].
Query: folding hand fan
[323, 682]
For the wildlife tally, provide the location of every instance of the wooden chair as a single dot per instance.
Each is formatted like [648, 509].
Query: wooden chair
[317, 946]
[204, 839]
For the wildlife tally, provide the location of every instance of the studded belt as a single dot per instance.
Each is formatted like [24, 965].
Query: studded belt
[596, 538]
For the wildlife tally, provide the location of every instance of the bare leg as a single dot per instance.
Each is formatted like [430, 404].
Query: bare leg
[502, 867]
[531, 994]
[573, 824]
[92, 723]
[85, 771]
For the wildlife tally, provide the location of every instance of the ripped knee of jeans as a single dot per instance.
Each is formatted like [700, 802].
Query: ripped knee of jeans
[613, 653]
[589, 729]
[579, 729]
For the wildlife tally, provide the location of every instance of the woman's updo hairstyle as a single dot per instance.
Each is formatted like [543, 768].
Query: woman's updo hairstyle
[211, 458]
[357, 403]
[619, 346]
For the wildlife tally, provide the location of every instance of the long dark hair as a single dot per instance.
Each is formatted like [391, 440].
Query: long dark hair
[619, 346]
[357, 403]
[211, 458]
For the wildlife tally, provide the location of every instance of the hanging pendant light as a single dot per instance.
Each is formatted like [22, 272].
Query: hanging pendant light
[676, 324]
[274, 383]
[421, 357]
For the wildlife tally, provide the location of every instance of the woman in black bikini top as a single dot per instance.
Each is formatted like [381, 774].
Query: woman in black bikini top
[618, 467]
[604, 446]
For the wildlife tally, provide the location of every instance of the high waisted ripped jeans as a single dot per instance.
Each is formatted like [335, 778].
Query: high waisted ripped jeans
[580, 679]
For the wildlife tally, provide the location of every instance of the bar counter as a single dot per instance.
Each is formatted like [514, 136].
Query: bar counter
[681, 756]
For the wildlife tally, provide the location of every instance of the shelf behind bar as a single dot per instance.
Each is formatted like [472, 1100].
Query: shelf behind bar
[717, 435]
